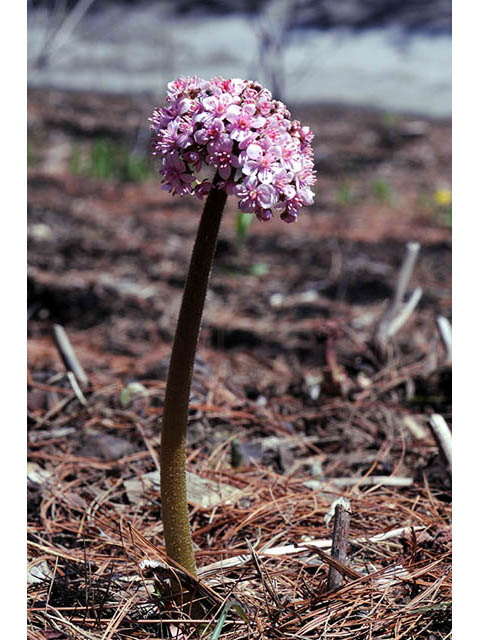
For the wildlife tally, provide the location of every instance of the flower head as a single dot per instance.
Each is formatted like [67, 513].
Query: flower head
[233, 126]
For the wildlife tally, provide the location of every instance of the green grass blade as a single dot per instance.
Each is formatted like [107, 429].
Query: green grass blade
[230, 604]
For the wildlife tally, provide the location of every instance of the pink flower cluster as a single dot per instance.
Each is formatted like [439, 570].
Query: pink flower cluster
[235, 127]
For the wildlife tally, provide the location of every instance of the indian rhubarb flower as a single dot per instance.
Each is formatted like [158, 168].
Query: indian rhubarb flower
[217, 138]
[234, 127]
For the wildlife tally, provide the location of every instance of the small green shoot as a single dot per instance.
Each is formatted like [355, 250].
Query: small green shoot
[258, 269]
[102, 159]
[32, 159]
[345, 195]
[76, 164]
[109, 160]
[159, 593]
[138, 169]
[447, 217]
[382, 191]
[242, 225]
[130, 392]
[230, 604]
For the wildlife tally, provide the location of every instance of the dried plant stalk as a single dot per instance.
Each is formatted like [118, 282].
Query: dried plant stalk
[443, 436]
[398, 312]
[341, 530]
[67, 353]
[445, 330]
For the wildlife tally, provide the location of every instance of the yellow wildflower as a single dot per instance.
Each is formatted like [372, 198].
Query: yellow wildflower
[443, 197]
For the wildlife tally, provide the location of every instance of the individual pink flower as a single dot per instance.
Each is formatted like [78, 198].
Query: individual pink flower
[242, 120]
[250, 94]
[172, 138]
[254, 197]
[306, 196]
[264, 102]
[213, 107]
[282, 181]
[209, 132]
[221, 156]
[229, 186]
[292, 206]
[262, 163]
[233, 86]
[306, 137]
[176, 176]
[305, 175]
[264, 214]
[202, 189]
[178, 86]
[291, 157]
[289, 216]
[194, 158]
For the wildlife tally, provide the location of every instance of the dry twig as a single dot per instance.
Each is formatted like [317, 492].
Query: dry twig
[445, 330]
[443, 436]
[341, 529]
[68, 355]
[398, 312]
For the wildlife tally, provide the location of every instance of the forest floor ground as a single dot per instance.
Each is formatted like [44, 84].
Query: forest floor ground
[293, 405]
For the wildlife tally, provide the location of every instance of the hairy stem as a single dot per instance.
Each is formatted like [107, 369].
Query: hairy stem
[178, 538]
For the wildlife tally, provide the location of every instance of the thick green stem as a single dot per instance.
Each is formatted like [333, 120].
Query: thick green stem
[178, 537]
